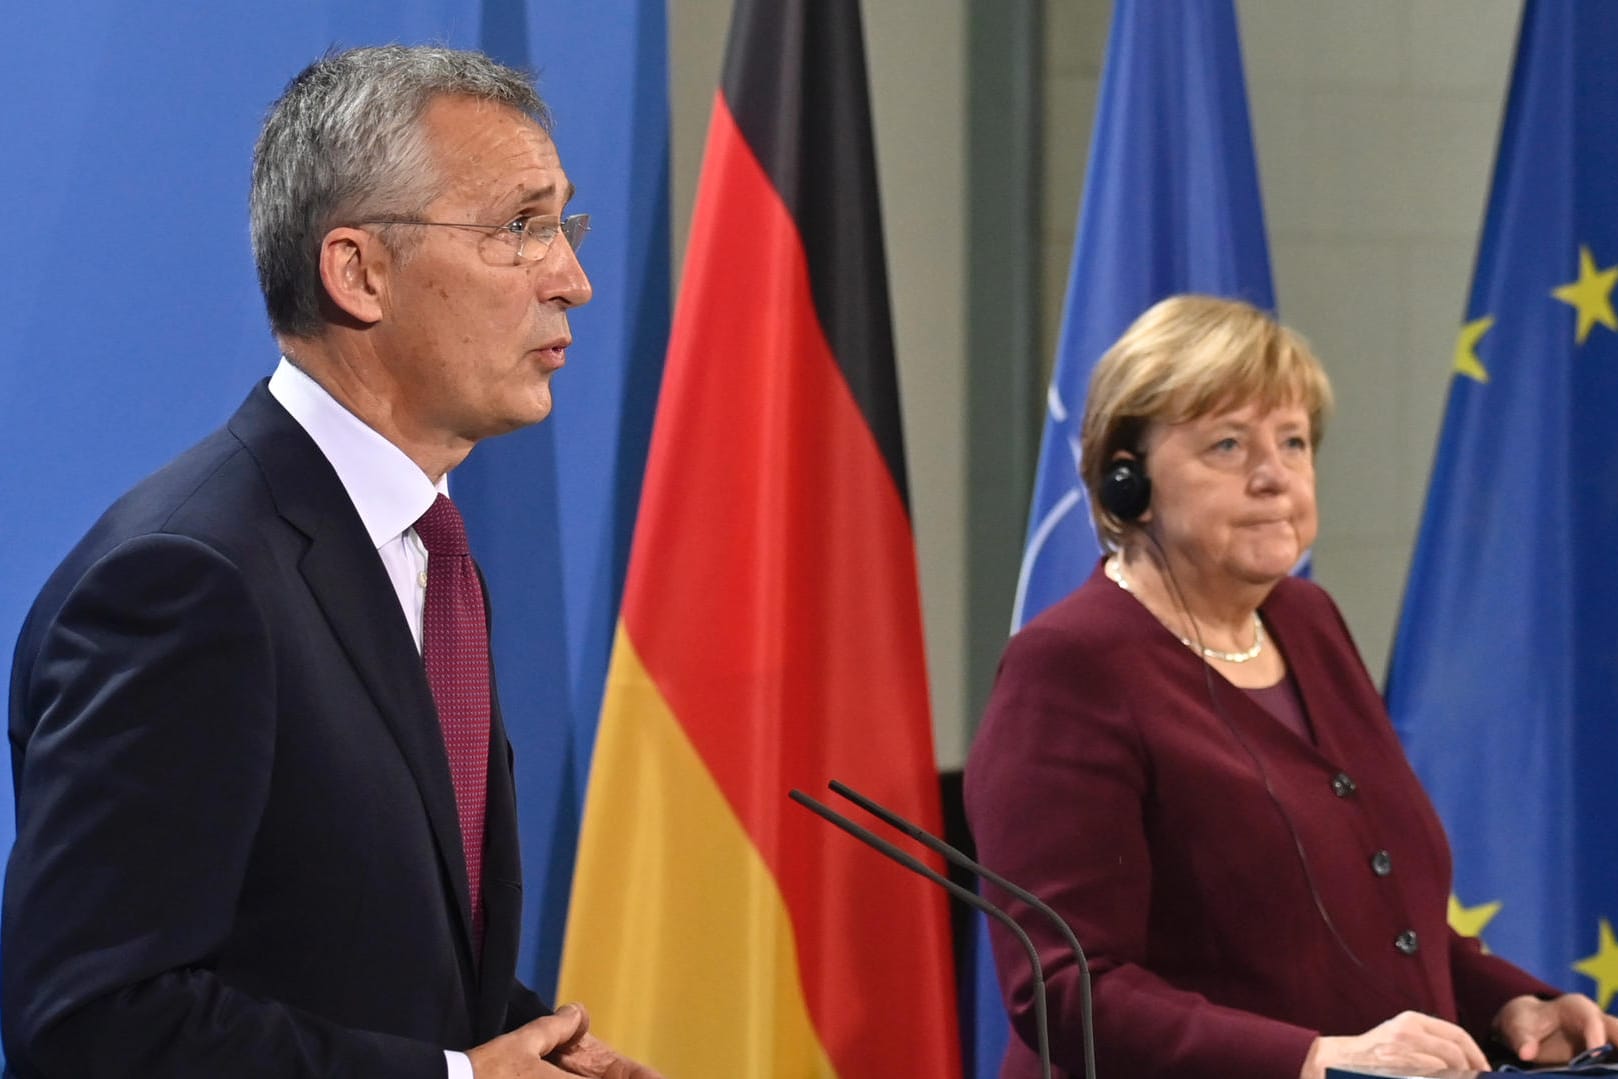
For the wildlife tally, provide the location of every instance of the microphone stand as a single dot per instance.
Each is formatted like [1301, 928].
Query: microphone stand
[965, 895]
[959, 858]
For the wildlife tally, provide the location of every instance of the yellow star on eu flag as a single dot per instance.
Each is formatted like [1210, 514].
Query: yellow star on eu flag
[1590, 295]
[1602, 967]
[1469, 921]
[1468, 364]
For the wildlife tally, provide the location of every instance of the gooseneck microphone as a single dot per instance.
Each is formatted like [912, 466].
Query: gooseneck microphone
[958, 857]
[965, 895]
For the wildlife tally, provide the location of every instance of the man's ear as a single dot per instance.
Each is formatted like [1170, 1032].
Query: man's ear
[354, 267]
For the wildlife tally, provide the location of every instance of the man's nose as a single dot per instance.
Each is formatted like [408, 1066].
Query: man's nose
[563, 277]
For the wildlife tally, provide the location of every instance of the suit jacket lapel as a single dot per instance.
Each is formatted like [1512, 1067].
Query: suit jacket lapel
[352, 589]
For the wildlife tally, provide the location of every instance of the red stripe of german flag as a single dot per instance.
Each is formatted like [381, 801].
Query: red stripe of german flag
[770, 635]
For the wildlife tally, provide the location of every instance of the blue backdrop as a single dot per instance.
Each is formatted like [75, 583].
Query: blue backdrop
[131, 324]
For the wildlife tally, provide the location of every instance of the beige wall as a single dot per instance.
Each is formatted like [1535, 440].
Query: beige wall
[1375, 123]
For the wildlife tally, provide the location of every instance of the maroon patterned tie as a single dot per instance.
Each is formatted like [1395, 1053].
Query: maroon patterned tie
[455, 645]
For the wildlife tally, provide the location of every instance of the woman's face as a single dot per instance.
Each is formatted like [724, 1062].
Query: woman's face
[1233, 492]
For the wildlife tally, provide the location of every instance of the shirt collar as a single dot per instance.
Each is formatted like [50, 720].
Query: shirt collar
[387, 488]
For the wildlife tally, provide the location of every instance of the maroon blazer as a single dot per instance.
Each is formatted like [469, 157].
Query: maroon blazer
[1238, 891]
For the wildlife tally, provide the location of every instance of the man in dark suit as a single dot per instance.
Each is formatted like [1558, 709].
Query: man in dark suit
[256, 834]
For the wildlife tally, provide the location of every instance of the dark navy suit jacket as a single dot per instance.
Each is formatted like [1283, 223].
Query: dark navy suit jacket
[237, 847]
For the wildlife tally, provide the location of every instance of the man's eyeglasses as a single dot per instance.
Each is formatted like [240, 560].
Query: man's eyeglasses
[531, 236]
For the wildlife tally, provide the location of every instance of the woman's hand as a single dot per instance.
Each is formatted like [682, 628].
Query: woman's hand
[1409, 1040]
[1552, 1031]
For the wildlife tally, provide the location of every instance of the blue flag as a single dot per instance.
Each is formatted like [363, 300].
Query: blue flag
[1171, 205]
[1504, 678]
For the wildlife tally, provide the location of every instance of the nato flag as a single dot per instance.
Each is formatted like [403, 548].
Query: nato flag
[1171, 205]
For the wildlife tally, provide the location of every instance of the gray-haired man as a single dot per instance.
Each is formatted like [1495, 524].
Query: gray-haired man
[257, 835]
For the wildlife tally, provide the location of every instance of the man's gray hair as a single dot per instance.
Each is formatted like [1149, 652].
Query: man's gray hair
[345, 144]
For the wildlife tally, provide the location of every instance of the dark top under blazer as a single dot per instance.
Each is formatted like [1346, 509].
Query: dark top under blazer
[237, 848]
[1105, 781]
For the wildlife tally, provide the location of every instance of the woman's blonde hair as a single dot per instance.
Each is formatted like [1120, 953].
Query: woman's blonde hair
[1183, 358]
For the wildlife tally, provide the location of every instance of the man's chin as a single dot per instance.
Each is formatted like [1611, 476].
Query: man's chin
[535, 410]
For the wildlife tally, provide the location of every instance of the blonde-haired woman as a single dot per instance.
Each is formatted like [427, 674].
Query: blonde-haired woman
[1187, 759]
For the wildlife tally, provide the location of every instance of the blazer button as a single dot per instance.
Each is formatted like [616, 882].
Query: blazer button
[1342, 785]
[1382, 863]
[1406, 942]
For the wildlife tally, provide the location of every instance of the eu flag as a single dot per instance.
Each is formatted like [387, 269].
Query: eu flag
[1504, 678]
[1171, 205]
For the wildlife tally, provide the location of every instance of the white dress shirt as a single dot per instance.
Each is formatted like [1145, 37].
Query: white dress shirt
[389, 491]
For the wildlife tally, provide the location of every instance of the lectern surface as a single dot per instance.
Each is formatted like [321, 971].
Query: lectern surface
[1393, 1073]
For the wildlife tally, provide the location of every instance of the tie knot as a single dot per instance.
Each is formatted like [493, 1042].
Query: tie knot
[441, 529]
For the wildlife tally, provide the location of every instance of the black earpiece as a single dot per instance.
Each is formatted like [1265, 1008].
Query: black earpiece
[1126, 489]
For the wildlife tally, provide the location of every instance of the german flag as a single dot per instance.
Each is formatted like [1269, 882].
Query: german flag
[770, 635]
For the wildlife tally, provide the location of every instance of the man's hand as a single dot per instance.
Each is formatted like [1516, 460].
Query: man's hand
[1408, 1040]
[521, 1053]
[588, 1056]
[1552, 1031]
[553, 1047]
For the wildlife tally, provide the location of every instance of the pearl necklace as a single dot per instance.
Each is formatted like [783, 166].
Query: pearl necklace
[1114, 568]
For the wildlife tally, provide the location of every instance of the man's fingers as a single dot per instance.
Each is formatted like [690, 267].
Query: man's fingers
[545, 1034]
[589, 1056]
[520, 1054]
